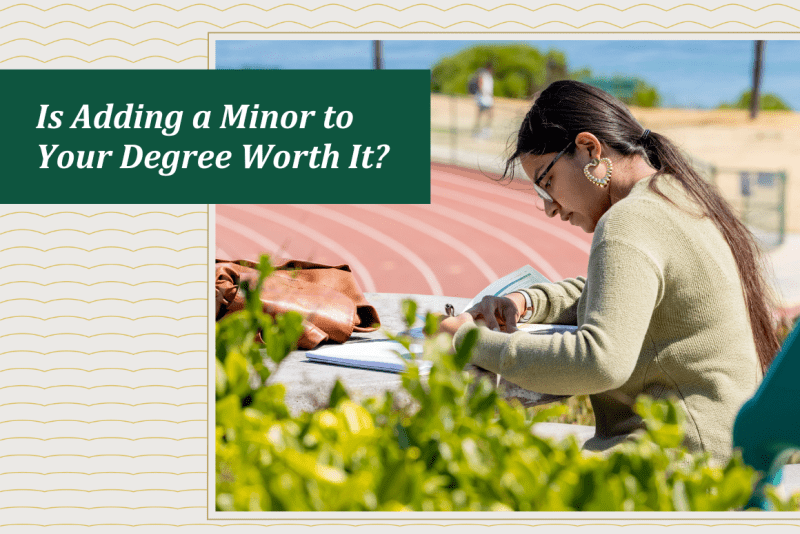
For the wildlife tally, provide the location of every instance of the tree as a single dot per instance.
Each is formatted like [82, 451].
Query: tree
[519, 69]
[768, 102]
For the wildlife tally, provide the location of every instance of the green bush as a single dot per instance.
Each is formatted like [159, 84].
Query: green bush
[767, 102]
[457, 447]
[519, 69]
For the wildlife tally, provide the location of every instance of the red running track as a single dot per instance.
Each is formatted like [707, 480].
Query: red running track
[474, 231]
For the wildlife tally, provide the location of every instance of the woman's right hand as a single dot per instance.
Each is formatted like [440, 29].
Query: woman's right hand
[500, 313]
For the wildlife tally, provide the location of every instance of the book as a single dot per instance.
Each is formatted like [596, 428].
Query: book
[374, 354]
[521, 278]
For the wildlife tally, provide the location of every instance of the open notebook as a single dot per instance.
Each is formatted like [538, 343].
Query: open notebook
[387, 355]
[374, 354]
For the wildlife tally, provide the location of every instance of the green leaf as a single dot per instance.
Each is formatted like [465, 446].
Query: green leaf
[238, 375]
[431, 324]
[409, 312]
[338, 393]
[464, 352]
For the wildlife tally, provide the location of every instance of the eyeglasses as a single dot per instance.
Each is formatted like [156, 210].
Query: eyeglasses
[544, 195]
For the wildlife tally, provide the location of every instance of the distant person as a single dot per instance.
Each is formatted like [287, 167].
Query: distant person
[484, 98]
[675, 302]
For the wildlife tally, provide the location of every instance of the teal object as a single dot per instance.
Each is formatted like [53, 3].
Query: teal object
[767, 429]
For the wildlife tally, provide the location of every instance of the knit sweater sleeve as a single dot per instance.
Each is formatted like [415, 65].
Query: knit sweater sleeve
[623, 287]
[556, 303]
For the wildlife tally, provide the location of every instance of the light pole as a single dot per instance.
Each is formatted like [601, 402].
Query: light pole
[755, 94]
[377, 54]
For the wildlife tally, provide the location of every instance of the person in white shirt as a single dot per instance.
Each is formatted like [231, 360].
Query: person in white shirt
[484, 98]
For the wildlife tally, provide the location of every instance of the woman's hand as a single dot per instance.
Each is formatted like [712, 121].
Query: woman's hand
[450, 324]
[499, 313]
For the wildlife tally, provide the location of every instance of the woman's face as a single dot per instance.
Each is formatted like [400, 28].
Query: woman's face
[575, 198]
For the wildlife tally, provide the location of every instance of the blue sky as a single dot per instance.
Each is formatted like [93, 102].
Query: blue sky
[686, 73]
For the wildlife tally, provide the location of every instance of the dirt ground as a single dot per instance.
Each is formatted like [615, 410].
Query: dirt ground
[723, 138]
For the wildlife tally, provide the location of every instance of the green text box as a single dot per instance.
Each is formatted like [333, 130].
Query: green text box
[324, 136]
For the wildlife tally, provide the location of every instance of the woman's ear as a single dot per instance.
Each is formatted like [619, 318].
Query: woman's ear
[587, 142]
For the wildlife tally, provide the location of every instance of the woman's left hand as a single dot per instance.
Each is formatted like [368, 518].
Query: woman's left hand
[451, 324]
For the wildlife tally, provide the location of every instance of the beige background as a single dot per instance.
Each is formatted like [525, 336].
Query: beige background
[160, 35]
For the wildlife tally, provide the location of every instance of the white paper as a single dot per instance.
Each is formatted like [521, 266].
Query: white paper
[378, 355]
[519, 279]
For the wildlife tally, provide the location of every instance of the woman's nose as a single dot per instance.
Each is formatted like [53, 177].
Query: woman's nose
[550, 208]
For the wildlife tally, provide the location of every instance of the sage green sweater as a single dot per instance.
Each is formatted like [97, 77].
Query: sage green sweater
[661, 312]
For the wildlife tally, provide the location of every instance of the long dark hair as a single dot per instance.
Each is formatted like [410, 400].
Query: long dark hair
[567, 108]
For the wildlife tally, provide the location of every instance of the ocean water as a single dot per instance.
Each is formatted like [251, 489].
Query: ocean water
[687, 73]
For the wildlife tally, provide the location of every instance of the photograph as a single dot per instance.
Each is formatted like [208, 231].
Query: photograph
[597, 312]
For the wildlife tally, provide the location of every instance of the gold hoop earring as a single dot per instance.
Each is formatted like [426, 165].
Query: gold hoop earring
[600, 182]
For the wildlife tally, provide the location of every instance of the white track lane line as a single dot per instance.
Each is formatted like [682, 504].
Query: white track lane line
[359, 269]
[222, 253]
[461, 218]
[435, 233]
[380, 237]
[518, 216]
[582, 244]
[248, 233]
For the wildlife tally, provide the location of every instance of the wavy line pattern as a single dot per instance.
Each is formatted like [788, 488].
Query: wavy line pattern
[103, 230]
[103, 265]
[94, 439]
[102, 248]
[103, 334]
[102, 317]
[100, 421]
[103, 282]
[102, 369]
[96, 490]
[110, 299]
[111, 351]
[101, 455]
[103, 386]
[101, 404]
[391, 25]
[102, 41]
[87, 37]
[89, 216]
[86, 396]
[102, 58]
[403, 9]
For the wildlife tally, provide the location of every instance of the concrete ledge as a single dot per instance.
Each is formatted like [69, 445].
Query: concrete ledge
[561, 431]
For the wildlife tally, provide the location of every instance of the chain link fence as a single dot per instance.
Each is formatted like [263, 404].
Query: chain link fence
[758, 196]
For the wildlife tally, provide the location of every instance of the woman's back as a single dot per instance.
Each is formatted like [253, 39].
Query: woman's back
[698, 345]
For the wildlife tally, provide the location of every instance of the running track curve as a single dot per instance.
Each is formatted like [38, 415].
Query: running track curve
[474, 231]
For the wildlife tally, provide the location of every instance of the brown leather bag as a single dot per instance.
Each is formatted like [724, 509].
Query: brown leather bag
[326, 296]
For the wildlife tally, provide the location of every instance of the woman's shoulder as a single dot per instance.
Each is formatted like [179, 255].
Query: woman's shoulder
[646, 213]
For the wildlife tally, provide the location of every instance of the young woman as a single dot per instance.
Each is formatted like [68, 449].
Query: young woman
[674, 304]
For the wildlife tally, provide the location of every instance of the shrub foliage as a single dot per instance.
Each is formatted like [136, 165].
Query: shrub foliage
[767, 102]
[520, 70]
[456, 447]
